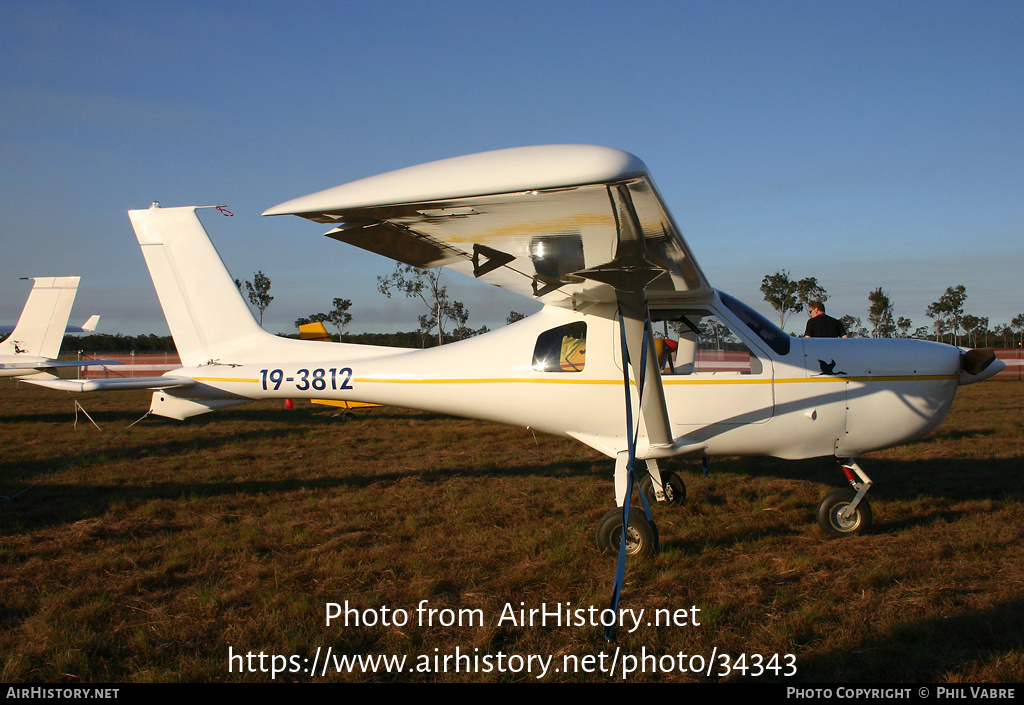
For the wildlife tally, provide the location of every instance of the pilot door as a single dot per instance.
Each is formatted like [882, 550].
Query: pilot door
[712, 370]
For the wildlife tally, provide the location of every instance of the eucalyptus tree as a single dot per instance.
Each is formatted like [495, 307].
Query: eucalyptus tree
[258, 291]
[947, 312]
[339, 316]
[880, 314]
[788, 296]
[445, 314]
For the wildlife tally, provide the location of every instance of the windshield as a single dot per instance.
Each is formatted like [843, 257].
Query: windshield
[767, 331]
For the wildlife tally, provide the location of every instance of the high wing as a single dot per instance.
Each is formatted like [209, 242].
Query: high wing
[555, 223]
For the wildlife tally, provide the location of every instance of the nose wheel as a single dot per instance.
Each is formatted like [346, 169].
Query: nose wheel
[673, 489]
[838, 517]
[846, 511]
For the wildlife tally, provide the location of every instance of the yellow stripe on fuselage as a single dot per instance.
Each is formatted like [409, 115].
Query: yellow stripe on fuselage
[227, 379]
[667, 381]
[866, 378]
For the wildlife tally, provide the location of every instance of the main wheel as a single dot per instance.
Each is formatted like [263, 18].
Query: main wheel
[641, 539]
[675, 488]
[831, 521]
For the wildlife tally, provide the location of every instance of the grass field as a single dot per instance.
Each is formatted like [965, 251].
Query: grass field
[178, 544]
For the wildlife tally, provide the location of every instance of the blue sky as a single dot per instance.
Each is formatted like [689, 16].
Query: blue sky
[864, 143]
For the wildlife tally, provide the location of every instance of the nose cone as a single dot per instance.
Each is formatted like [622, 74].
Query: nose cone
[979, 364]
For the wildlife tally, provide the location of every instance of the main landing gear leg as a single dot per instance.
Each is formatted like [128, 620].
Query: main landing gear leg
[847, 511]
[662, 488]
[621, 478]
[642, 536]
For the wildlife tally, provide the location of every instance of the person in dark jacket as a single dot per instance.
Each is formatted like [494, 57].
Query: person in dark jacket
[820, 324]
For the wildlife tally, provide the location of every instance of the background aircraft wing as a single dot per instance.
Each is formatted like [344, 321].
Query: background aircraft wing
[525, 219]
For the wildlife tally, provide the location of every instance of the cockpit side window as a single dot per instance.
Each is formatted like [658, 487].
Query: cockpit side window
[562, 349]
[696, 341]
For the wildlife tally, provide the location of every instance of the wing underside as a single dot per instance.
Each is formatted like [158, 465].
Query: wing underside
[540, 243]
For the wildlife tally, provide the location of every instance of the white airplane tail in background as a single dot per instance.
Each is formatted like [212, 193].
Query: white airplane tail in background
[204, 310]
[40, 330]
[89, 326]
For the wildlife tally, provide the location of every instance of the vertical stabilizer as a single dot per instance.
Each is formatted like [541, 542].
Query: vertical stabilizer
[40, 329]
[90, 324]
[204, 309]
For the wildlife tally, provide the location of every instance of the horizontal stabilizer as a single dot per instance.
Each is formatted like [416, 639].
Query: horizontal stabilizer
[34, 364]
[121, 383]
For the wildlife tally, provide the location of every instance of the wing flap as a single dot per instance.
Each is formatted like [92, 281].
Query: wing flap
[391, 239]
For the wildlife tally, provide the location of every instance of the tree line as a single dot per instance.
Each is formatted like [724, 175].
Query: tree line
[117, 343]
[950, 324]
[446, 320]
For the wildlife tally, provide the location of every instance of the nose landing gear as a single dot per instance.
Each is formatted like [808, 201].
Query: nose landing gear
[846, 512]
[672, 491]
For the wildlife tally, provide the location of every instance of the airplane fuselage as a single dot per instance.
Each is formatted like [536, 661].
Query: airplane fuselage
[822, 397]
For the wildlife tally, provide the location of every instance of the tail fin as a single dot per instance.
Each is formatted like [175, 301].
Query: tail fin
[90, 324]
[40, 329]
[314, 331]
[204, 309]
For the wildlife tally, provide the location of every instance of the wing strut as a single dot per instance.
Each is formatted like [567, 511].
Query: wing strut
[630, 273]
[629, 460]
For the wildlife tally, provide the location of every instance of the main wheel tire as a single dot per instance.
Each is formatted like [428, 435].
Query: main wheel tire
[675, 488]
[833, 524]
[641, 539]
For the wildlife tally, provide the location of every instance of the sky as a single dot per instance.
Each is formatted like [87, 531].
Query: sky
[867, 144]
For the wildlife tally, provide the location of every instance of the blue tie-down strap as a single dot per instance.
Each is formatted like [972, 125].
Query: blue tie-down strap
[632, 436]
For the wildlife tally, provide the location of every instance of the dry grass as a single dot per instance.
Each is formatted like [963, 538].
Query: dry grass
[153, 556]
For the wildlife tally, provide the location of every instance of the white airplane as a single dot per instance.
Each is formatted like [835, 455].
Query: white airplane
[583, 230]
[32, 347]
